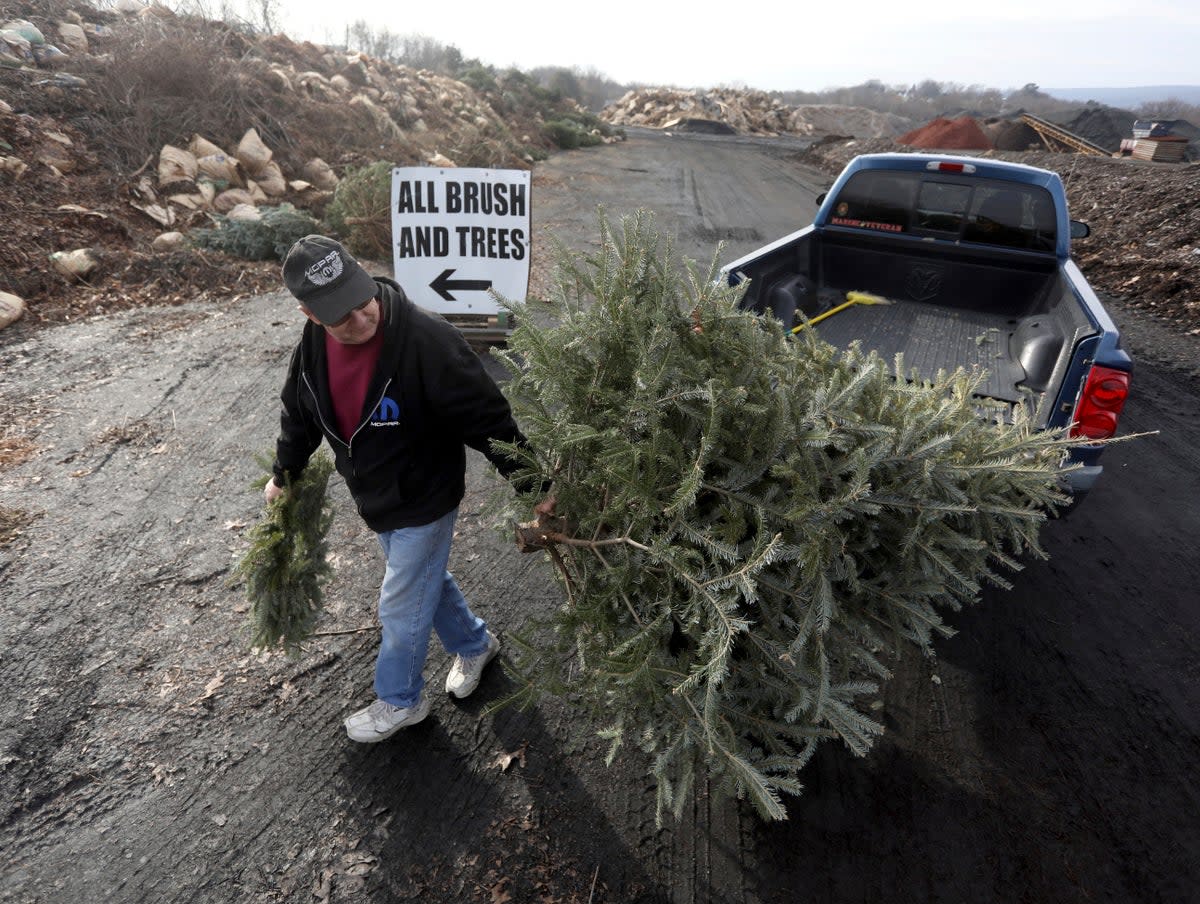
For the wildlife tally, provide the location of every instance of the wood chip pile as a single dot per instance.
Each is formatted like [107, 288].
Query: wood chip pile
[747, 112]
[750, 112]
[846, 121]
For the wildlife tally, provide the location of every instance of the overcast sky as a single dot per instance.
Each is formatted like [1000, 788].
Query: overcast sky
[796, 45]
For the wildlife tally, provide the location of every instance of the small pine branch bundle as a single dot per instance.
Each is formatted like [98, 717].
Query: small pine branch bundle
[286, 566]
[756, 523]
[268, 237]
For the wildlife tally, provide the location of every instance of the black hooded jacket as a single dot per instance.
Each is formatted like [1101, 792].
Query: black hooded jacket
[405, 463]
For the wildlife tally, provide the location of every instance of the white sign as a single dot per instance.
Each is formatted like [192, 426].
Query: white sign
[458, 233]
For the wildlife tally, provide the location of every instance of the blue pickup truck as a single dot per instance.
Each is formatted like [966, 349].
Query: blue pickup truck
[973, 259]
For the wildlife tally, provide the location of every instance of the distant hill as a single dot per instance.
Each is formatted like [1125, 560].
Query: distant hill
[1129, 97]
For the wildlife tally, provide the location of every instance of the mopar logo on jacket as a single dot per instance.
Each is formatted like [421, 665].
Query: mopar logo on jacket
[386, 414]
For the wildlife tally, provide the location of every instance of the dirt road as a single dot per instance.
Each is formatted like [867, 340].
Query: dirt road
[1048, 753]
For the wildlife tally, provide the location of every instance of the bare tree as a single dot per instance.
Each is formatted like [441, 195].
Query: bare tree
[268, 13]
[1171, 108]
[380, 43]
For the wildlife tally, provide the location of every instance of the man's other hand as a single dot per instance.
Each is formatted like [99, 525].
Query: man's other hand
[272, 491]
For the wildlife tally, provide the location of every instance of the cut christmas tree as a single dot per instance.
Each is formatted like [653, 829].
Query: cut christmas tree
[751, 525]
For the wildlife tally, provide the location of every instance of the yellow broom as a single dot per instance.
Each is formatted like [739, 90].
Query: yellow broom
[852, 298]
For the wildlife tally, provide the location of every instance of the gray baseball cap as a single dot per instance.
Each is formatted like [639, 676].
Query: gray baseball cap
[324, 278]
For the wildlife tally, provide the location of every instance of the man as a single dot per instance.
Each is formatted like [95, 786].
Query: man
[397, 392]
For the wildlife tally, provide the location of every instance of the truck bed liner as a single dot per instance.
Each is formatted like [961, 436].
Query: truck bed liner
[933, 338]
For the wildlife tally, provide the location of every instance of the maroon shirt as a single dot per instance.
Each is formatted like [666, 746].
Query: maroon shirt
[350, 370]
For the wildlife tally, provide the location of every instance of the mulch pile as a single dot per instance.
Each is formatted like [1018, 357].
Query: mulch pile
[962, 134]
[846, 121]
[1145, 243]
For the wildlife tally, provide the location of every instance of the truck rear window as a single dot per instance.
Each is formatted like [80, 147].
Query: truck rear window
[967, 209]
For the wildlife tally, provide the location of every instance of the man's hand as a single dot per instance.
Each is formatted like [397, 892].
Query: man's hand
[272, 491]
[540, 533]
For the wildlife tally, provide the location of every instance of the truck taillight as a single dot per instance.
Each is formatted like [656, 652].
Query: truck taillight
[1100, 403]
[944, 166]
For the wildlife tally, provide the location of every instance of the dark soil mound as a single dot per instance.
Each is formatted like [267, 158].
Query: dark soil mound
[1105, 126]
[700, 126]
[1011, 135]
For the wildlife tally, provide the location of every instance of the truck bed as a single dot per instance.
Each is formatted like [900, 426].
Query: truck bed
[1016, 319]
[934, 338]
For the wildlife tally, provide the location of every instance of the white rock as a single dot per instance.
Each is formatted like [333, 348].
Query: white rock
[12, 307]
[73, 36]
[14, 165]
[176, 165]
[231, 198]
[168, 241]
[77, 264]
[320, 174]
[246, 213]
[252, 152]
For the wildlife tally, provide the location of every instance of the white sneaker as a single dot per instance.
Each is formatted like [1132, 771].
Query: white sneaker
[381, 720]
[464, 674]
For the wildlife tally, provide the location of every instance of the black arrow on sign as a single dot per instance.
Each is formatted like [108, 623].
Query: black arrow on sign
[443, 284]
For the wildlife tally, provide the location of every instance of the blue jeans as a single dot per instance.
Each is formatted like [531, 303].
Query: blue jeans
[418, 596]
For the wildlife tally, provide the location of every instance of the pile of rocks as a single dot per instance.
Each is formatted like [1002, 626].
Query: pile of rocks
[397, 101]
[23, 44]
[204, 178]
[424, 112]
[94, 238]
